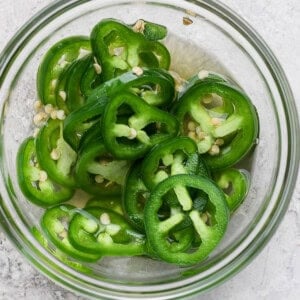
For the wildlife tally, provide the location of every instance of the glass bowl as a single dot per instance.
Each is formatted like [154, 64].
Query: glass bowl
[217, 40]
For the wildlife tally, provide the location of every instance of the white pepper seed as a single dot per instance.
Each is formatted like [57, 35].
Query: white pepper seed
[62, 95]
[55, 154]
[98, 68]
[60, 114]
[48, 108]
[43, 176]
[203, 74]
[214, 150]
[139, 26]
[137, 71]
[99, 178]
[39, 118]
[105, 219]
[37, 105]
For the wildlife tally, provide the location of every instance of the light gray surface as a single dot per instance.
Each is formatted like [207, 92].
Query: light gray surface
[275, 273]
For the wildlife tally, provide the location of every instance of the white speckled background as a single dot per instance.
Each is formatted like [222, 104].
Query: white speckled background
[275, 273]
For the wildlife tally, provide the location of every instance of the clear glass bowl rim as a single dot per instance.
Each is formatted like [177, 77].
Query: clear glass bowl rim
[58, 7]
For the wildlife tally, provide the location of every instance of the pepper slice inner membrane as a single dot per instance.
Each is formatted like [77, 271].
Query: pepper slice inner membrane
[132, 135]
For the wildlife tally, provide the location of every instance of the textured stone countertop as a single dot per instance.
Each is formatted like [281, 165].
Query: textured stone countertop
[275, 272]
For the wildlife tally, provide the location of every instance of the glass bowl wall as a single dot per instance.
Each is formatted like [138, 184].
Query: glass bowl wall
[217, 40]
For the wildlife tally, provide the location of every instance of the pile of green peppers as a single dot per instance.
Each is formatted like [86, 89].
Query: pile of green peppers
[158, 161]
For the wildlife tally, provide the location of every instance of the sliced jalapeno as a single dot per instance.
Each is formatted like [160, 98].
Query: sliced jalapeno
[222, 121]
[104, 232]
[56, 60]
[156, 87]
[97, 172]
[235, 184]
[119, 49]
[145, 127]
[175, 156]
[54, 154]
[209, 225]
[34, 182]
[55, 224]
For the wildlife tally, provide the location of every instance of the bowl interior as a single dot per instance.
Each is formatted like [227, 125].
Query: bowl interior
[208, 43]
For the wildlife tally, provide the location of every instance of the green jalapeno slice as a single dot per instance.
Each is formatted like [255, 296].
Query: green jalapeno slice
[209, 225]
[55, 62]
[221, 119]
[55, 223]
[235, 184]
[54, 154]
[119, 49]
[144, 127]
[104, 232]
[35, 182]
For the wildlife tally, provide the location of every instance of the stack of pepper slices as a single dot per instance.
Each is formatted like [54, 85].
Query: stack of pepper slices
[155, 156]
